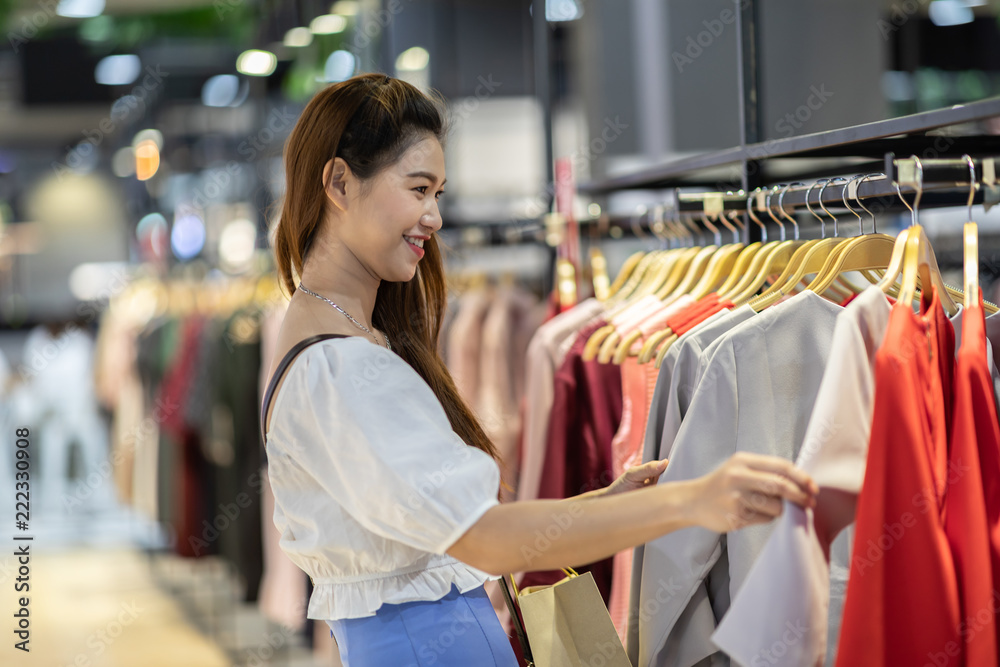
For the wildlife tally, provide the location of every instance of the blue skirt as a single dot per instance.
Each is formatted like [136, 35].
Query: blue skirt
[459, 630]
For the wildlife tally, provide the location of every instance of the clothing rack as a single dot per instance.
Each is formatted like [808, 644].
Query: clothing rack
[944, 182]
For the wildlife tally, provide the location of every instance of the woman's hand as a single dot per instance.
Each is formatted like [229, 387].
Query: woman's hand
[637, 477]
[749, 489]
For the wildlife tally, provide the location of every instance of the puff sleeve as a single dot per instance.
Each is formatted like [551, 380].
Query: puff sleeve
[360, 423]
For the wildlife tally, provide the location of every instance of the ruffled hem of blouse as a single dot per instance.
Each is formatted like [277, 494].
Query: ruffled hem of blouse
[357, 599]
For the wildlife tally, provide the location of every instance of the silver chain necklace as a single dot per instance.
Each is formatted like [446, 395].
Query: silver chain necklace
[347, 315]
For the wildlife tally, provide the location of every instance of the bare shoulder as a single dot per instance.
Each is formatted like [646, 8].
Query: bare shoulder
[298, 324]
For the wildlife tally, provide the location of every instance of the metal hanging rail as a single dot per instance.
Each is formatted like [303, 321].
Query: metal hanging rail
[906, 134]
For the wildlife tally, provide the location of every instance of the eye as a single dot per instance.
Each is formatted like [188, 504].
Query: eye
[439, 193]
[422, 189]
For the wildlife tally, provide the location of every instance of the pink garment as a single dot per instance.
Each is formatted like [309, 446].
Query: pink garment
[270, 327]
[511, 319]
[282, 597]
[464, 343]
[546, 352]
[658, 320]
[628, 318]
[626, 451]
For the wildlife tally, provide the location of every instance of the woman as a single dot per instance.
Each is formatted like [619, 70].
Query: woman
[385, 484]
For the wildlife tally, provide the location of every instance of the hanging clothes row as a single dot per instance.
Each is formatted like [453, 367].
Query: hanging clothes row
[704, 351]
[178, 365]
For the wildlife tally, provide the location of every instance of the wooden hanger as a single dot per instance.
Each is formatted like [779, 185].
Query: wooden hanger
[817, 256]
[742, 275]
[631, 262]
[970, 245]
[720, 266]
[697, 268]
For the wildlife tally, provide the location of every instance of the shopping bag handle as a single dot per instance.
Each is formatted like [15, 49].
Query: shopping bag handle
[515, 616]
[570, 572]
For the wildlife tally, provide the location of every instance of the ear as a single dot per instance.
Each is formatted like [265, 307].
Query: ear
[336, 174]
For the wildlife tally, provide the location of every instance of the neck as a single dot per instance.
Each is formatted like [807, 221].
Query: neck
[336, 273]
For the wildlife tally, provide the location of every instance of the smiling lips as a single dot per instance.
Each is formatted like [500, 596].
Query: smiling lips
[417, 245]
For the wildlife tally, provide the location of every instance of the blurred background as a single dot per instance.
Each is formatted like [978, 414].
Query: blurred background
[140, 170]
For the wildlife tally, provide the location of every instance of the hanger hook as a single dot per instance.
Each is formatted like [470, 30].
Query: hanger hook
[781, 207]
[857, 198]
[843, 197]
[770, 212]
[753, 216]
[822, 220]
[634, 222]
[716, 235]
[734, 216]
[808, 191]
[689, 221]
[675, 216]
[919, 188]
[972, 182]
[836, 229]
[725, 220]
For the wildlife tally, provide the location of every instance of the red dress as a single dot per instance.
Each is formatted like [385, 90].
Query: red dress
[972, 510]
[902, 605]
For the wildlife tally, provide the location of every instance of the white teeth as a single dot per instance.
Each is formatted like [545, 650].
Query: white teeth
[417, 242]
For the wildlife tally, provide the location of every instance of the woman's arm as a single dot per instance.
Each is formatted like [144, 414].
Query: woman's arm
[549, 534]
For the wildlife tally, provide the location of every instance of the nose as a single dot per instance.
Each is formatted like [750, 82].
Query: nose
[432, 219]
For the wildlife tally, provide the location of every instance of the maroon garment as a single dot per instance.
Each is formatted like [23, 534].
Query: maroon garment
[189, 494]
[586, 412]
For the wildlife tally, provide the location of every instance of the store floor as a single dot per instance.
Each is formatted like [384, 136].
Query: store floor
[123, 607]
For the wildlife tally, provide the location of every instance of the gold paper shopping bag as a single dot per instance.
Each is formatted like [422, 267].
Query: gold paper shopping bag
[568, 625]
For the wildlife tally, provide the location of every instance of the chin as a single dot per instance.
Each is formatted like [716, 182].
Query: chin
[400, 274]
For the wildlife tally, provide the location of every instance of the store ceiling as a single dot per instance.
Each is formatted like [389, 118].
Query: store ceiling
[58, 126]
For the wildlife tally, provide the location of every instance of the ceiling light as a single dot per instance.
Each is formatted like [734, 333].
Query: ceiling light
[328, 24]
[413, 59]
[80, 9]
[297, 37]
[945, 13]
[117, 70]
[340, 65]
[220, 90]
[345, 8]
[256, 63]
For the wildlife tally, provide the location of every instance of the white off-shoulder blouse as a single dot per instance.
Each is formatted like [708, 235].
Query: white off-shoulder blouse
[371, 484]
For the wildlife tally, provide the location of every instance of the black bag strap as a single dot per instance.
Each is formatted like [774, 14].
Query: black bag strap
[286, 361]
[516, 622]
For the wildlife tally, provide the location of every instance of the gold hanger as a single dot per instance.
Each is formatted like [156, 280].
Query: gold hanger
[861, 253]
[673, 261]
[812, 258]
[631, 262]
[970, 246]
[775, 263]
[630, 290]
[919, 262]
[720, 266]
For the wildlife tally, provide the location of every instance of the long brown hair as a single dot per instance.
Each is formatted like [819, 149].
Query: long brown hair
[370, 121]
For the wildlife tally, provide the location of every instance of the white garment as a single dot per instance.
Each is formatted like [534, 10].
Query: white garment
[679, 374]
[755, 395]
[60, 402]
[371, 484]
[792, 572]
[803, 568]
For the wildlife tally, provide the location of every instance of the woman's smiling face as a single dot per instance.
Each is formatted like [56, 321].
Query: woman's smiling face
[393, 214]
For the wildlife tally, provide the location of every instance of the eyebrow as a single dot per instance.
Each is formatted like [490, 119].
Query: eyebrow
[426, 174]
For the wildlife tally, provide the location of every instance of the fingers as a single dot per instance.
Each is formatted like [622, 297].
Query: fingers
[780, 466]
[647, 471]
[776, 486]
